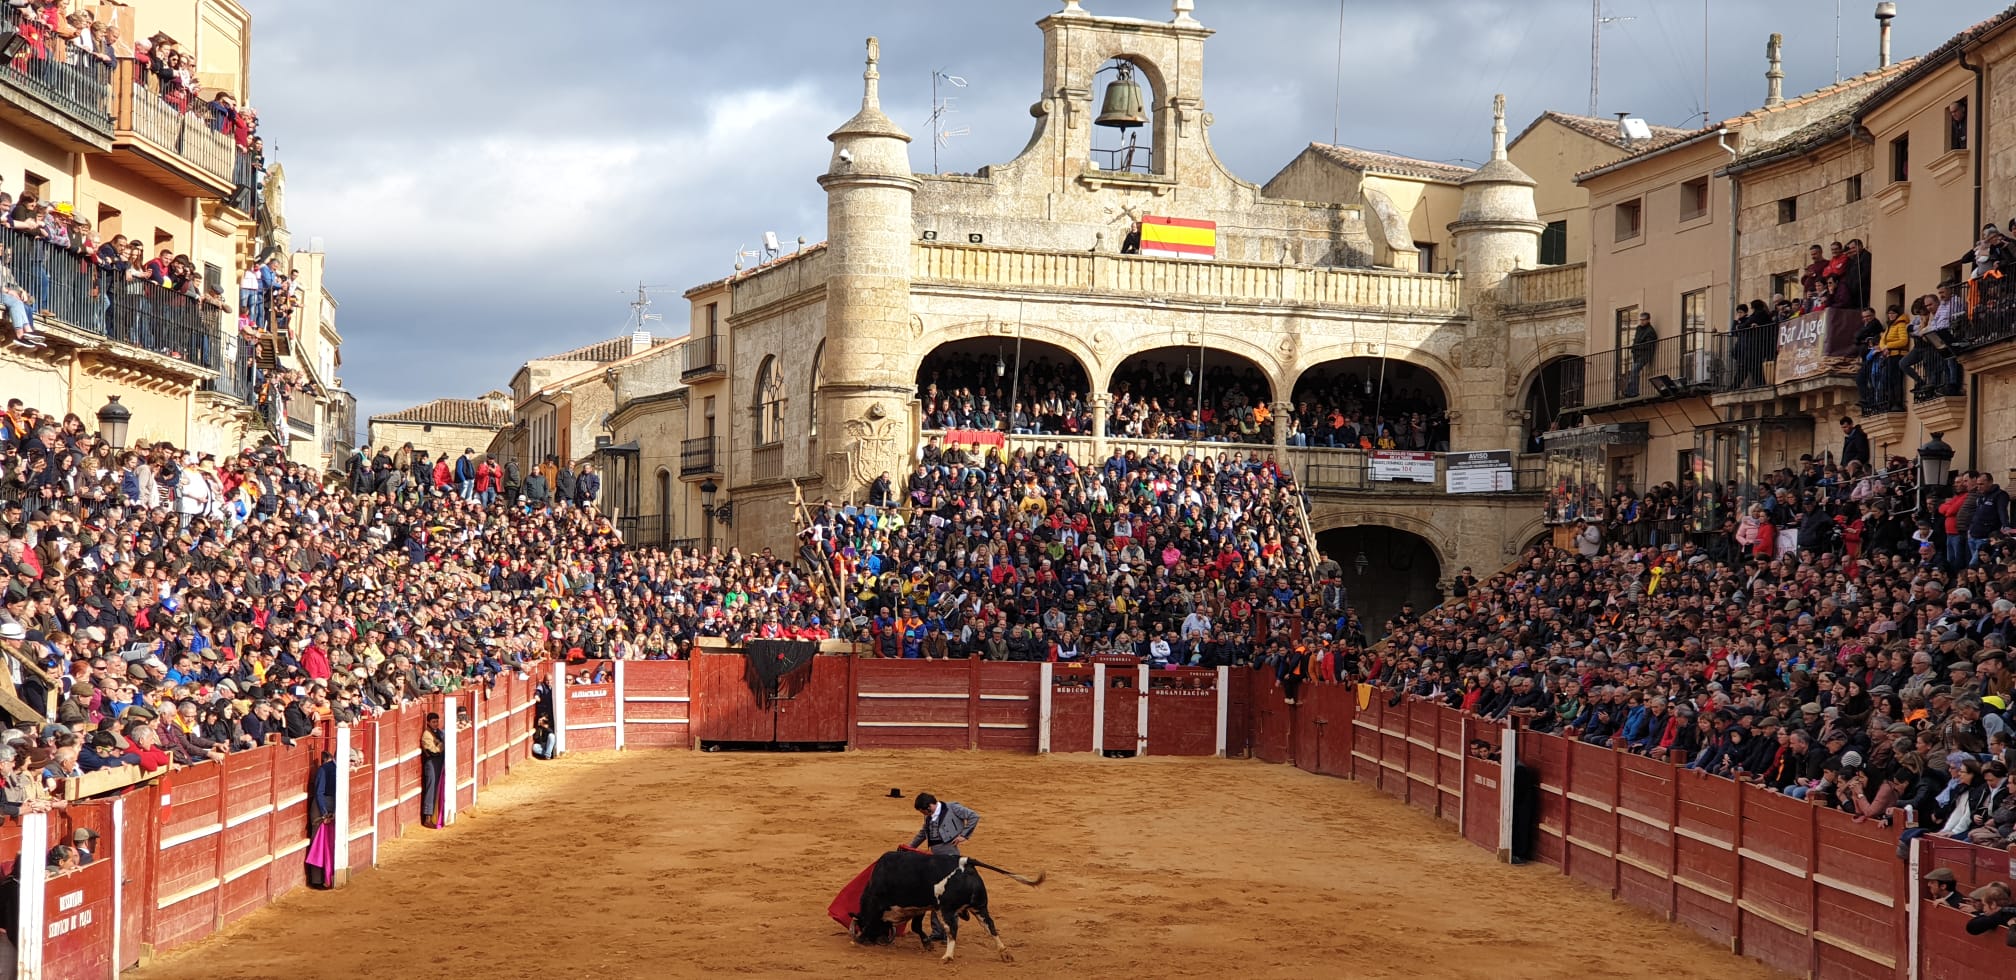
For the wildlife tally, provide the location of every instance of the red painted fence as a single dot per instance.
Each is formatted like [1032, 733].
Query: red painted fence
[1807, 890]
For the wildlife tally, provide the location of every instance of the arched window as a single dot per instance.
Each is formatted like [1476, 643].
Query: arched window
[769, 403]
[665, 515]
[818, 378]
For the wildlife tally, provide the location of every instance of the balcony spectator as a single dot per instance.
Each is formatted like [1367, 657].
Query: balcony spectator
[1644, 345]
[1931, 337]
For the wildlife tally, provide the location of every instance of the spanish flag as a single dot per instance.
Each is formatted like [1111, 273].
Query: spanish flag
[1178, 238]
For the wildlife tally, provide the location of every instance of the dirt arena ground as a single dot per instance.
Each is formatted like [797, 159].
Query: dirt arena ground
[664, 864]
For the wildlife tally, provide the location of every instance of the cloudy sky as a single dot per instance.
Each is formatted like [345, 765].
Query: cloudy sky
[493, 184]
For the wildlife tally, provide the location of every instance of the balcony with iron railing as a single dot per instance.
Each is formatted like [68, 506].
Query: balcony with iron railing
[75, 292]
[706, 359]
[187, 154]
[55, 90]
[700, 457]
[1693, 363]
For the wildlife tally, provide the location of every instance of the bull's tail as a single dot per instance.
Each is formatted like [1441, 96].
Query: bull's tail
[1031, 881]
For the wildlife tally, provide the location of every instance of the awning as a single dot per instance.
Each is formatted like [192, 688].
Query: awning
[1598, 436]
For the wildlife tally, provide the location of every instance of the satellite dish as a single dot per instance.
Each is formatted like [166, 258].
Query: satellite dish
[1636, 129]
[770, 246]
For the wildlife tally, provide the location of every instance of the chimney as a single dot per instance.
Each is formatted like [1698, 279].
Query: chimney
[1885, 12]
[640, 341]
[1774, 77]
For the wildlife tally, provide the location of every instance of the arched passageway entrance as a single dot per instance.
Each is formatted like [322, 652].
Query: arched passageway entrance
[1385, 569]
[982, 382]
[1545, 396]
[1357, 402]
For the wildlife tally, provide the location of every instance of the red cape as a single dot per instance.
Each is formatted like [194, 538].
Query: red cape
[848, 901]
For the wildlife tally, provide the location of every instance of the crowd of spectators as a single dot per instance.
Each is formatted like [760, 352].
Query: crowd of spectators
[1194, 560]
[1827, 636]
[1154, 400]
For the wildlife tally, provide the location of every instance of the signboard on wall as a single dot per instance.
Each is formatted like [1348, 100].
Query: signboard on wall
[1393, 465]
[1480, 472]
[1802, 347]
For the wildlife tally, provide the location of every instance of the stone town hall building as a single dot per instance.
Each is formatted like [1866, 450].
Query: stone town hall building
[803, 374]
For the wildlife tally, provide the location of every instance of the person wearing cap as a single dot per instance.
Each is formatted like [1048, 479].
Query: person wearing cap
[1990, 906]
[1942, 887]
[83, 840]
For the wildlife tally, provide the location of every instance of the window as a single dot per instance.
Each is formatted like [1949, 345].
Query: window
[1949, 273]
[818, 378]
[1694, 366]
[36, 184]
[1900, 159]
[707, 417]
[1854, 188]
[1785, 284]
[769, 403]
[1788, 210]
[1694, 311]
[713, 319]
[1694, 199]
[1554, 244]
[108, 223]
[664, 505]
[1425, 256]
[213, 282]
[1956, 125]
[163, 239]
[1894, 297]
[1630, 220]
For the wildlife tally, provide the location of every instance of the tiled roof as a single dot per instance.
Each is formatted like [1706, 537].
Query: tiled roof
[1760, 115]
[1373, 162]
[1812, 136]
[603, 351]
[475, 412]
[1916, 67]
[1604, 130]
[737, 276]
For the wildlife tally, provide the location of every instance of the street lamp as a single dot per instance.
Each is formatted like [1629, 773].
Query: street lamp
[1935, 467]
[113, 421]
[707, 492]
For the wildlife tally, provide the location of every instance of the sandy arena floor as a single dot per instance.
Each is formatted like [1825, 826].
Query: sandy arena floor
[661, 864]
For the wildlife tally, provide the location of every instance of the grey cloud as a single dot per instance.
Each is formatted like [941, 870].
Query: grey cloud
[491, 183]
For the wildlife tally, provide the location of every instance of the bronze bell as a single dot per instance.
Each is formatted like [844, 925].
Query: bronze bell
[1123, 108]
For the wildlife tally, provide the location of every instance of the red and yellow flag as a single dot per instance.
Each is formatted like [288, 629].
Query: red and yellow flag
[1178, 238]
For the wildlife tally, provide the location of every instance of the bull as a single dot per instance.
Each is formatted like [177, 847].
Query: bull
[906, 886]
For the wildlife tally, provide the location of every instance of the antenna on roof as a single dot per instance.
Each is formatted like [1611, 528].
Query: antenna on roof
[770, 247]
[1596, 24]
[940, 108]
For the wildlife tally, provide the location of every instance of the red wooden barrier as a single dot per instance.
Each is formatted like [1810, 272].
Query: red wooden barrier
[1479, 802]
[724, 708]
[1070, 708]
[364, 797]
[1705, 836]
[1006, 718]
[1945, 950]
[815, 710]
[185, 879]
[1645, 839]
[1272, 725]
[1183, 712]
[1117, 704]
[591, 708]
[1323, 726]
[657, 704]
[77, 919]
[468, 712]
[913, 704]
[1589, 819]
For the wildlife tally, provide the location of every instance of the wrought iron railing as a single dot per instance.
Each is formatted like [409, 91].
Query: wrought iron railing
[238, 375]
[79, 88]
[74, 290]
[703, 357]
[142, 111]
[1691, 363]
[699, 456]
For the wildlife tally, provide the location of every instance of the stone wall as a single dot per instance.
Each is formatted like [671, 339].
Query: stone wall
[1820, 183]
[434, 438]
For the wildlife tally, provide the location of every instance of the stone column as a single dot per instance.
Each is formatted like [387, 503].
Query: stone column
[1101, 401]
[1282, 412]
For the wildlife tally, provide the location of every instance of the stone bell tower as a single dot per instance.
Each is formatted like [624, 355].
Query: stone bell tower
[1498, 229]
[870, 193]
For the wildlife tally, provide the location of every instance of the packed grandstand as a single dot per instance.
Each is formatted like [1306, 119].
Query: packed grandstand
[165, 608]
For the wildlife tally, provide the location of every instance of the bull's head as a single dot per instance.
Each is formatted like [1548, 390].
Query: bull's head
[869, 928]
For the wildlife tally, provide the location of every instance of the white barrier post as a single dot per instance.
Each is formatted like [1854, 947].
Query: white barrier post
[341, 824]
[1914, 909]
[475, 744]
[32, 872]
[1508, 773]
[1141, 713]
[1043, 696]
[1224, 708]
[449, 777]
[1099, 709]
[118, 882]
[559, 709]
[377, 762]
[619, 705]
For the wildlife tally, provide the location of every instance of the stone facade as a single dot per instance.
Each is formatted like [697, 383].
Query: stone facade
[824, 347]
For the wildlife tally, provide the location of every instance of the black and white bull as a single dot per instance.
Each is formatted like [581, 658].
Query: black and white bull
[906, 886]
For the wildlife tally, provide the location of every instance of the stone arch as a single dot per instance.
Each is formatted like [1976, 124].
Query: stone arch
[1385, 565]
[1543, 391]
[999, 371]
[1076, 343]
[1526, 366]
[767, 402]
[1444, 373]
[818, 377]
[1439, 538]
[1235, 345]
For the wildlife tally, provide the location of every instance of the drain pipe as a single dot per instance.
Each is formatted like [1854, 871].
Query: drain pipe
[1735, 224]
[1979, 108]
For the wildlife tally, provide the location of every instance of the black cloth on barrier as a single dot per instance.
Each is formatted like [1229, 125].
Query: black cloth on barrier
[768, 663]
